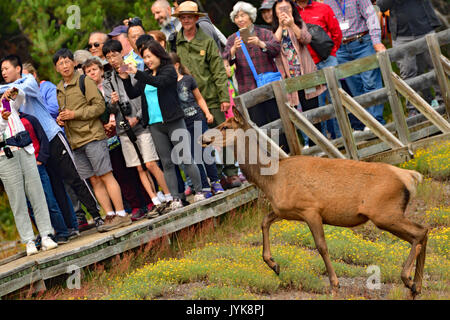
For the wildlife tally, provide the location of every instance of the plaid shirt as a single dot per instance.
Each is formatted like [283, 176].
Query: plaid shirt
[361, 16]
[262, 60]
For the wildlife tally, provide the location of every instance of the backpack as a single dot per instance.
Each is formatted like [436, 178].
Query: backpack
[105, 116]
[320, 41]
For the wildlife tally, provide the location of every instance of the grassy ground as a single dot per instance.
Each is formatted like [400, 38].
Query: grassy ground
[224, 261]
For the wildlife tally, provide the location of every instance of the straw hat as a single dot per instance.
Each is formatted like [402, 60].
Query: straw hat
[188, 7]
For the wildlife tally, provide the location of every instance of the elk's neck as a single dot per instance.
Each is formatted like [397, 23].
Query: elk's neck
[258, 166]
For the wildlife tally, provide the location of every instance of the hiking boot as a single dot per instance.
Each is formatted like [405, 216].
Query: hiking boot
[115, 221]
[137, 214]
[48, 244]
[98, 222]
[172, 205]
[216, 187]
[156, 210]
[31, 248]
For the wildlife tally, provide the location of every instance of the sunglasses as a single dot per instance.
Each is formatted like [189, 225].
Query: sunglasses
[134, 22]
[96, 44]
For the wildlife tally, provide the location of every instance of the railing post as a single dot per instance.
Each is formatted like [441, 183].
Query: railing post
[290, 131]
[341, 113]
[396, 106]
[435, 52]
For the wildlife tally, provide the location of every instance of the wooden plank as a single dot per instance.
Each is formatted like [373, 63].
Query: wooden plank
[446, 64]
[305, 81]
[365, 117]
[303, 124]
[279, 90]
[358, 66]
[341, 113]
[394, 101]
[393, 157]
[281, 153]
[420, 104]
[258, 95]
[242, 107]
[435, 53]
[424, 143]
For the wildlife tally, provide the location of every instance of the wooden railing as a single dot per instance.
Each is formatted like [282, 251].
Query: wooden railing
[400, 137]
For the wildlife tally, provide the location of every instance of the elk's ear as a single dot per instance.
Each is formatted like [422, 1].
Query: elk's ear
[238, 116]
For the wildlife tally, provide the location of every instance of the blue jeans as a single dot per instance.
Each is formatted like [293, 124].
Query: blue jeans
[330, 125]
[364, 82]
[56, 217]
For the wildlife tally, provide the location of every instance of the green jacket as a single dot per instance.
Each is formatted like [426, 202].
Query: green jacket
[86, 126]
[201, 56]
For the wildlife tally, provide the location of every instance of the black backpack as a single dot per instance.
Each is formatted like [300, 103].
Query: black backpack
[321, 41]
[105, 116]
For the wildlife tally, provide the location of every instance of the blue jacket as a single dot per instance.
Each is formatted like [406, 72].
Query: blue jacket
[48, 95]
[34, 104]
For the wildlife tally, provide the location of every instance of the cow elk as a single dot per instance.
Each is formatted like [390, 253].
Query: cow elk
[337, 192]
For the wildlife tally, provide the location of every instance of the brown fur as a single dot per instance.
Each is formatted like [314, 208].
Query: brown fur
[337, 192]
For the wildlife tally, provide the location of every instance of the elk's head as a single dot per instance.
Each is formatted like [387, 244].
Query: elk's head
[223, 135]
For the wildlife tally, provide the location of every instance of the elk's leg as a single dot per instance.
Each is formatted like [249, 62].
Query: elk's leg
[414, 234]
[316, 227]
[267, 255]
[420, 263]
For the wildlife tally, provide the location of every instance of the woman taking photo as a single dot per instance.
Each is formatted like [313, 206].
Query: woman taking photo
[295, 59]
[262, 48]
[161, 110]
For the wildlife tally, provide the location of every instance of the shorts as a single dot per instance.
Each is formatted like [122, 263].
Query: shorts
[92, 159]
[146, 147]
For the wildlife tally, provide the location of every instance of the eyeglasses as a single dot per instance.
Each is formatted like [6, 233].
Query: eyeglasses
[95, 44]
[113, 55]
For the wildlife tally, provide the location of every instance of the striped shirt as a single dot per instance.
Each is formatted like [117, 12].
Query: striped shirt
[360, 16]
[14, 125]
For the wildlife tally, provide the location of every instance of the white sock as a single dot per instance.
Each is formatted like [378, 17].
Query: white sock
[156, 201]
[121, 213]
[111, 213]
[160, 196]
[168, 197]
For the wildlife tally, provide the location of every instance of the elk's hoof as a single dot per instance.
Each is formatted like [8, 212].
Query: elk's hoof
[276, 268]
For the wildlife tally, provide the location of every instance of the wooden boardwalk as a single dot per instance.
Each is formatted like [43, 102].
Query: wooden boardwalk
[93, 247]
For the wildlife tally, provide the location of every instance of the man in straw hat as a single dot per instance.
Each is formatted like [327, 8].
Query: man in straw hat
[198, 52]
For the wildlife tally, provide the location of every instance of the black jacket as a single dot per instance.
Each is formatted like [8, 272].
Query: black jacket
[166, 82]
[409, 17]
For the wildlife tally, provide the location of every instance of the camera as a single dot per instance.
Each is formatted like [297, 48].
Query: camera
[8, 152]
[126, 108]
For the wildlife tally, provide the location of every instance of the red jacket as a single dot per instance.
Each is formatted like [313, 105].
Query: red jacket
[321, 14]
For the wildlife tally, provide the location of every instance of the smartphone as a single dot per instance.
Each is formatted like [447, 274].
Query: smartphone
[245, 34]
[6, 105]
[123, 68]
[285, 10]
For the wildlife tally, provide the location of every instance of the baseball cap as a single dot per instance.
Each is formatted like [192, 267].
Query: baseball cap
[267, 4]
[118, 30]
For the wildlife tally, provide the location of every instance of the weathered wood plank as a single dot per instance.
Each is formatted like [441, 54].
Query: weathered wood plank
[446, 64]
[341, 113]
[258, 95]
[281, 153]
[394, 101]
[420, 104]
[358, 66]
[242, 106]
[393, 157]
[435, 53]
[303, 124]
[279, 90]
[305, 81]
[365, 117]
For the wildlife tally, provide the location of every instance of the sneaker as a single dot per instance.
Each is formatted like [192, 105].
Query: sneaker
[216, 187]
[199, 197]
[31, 248]
[175, 204]
[208, 194]
[98, 222]
[188, 191]
[59, 239]
[156, 210]
[48, 244]
[366, 129]
[233, 182]
[114, 222]
[82, 222]
[73, 234]
[161, 196]
[137, 214]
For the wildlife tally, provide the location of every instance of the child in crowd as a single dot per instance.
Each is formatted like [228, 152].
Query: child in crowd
[197, 117]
